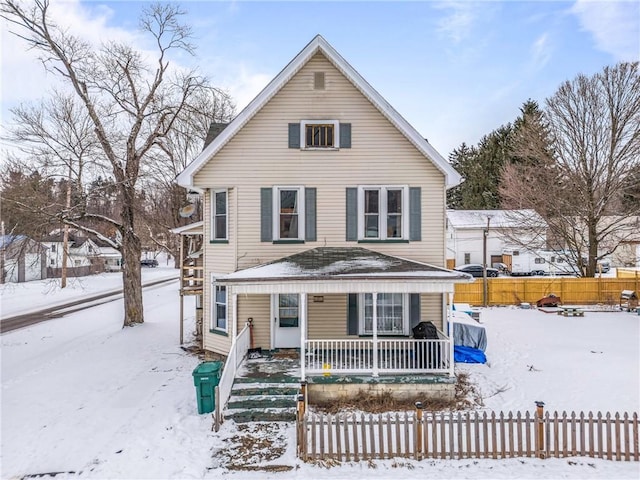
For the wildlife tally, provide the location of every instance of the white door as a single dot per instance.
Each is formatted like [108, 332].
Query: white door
[286, 331]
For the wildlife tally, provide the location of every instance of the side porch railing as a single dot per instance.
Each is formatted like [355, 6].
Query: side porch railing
[379, 356]
[237, 353]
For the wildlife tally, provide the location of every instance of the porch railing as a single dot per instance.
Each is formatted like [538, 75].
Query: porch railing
[391, 356]
[237, 353]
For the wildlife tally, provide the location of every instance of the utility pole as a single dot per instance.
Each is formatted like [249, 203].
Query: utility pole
[485, 282]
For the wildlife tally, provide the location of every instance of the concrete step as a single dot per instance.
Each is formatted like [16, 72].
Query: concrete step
[261, 389]
[261, 415]
[261, 401]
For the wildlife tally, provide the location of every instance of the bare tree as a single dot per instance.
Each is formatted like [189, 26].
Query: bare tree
[58, 136]
[164, 199]
[132, 106]
[577, 158]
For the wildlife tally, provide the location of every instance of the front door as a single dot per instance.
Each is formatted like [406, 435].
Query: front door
[286, 332]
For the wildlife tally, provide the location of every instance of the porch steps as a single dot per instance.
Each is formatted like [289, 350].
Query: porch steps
[266, 401]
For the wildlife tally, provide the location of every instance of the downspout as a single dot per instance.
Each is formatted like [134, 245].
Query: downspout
[235, 229]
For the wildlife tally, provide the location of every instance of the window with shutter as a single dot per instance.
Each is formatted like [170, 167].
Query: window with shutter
[319, 135]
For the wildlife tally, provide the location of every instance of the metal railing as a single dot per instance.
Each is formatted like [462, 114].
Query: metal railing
[237, 354]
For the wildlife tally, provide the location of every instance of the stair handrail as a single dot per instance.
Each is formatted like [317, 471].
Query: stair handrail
[237, 354]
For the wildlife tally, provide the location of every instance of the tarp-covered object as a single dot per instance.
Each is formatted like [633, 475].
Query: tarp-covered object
[469, 339]
[468, 355]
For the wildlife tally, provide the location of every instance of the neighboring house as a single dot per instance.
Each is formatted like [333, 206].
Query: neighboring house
[110, 258]
[21, 259]
[325, 227]
[507, 230]
[85, 256]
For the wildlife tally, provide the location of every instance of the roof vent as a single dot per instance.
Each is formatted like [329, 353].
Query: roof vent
[318, 81]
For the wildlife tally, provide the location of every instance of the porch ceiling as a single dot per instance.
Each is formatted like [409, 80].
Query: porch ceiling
[343, 270]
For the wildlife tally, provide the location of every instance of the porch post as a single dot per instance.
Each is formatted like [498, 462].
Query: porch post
[234, 314]
[450, 330]
[303, 335]
[376, 370]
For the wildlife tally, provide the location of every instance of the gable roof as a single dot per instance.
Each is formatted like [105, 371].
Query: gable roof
[319, 44]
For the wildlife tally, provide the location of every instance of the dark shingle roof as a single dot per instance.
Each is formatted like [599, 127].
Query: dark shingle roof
[215, 129]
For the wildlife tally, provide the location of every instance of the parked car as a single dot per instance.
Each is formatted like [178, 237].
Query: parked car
[149, 262]
[476, 270]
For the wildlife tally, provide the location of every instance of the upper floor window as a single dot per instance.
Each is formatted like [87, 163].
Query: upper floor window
[319, 134]
[383, 213]
[219, 212]
[53, 248]
[289, 218]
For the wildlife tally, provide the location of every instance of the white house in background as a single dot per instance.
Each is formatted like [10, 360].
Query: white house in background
[466, 230]
[77, 254]
[84, 255]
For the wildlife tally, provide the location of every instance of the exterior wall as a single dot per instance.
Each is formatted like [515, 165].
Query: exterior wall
[258, 156]
[327, 320]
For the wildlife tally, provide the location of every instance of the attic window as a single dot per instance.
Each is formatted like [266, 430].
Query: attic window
[319, 135]
[318, 81]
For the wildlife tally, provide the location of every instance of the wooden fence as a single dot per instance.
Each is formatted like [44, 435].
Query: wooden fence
[513, 291]
[356, 437]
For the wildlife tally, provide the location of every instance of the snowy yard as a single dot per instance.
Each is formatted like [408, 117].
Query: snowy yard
[82, 396]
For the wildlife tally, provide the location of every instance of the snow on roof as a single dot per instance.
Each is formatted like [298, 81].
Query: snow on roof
[499, 218]
[341, 263]
[196, 228]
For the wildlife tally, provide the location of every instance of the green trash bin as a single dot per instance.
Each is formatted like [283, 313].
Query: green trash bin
[206, 377]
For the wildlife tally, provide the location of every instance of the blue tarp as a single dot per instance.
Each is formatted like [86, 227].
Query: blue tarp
[468, 355]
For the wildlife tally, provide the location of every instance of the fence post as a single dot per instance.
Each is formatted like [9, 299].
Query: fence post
[540, 429]
[299, 424]
[419, 430]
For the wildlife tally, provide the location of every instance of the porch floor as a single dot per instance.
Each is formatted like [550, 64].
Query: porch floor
[283, 366]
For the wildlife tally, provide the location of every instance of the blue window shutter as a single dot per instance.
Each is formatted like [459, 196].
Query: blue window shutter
[352, 314]
[310, 214]
[352, 214]
[266, 214]
[345, 135]
[414, 309]
[415, 213]
[294, 135]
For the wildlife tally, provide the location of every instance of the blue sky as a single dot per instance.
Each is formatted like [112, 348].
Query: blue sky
[454, 70]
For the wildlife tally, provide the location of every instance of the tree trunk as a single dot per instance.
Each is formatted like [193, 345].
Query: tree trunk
[131, 274]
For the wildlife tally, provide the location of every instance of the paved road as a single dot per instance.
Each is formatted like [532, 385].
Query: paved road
[24, 320]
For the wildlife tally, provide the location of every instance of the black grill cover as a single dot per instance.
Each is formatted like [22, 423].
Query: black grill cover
[425, 330]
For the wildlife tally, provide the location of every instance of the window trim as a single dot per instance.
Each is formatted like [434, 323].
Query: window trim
[214, 192]
[213, 327]
[406, 320]
[301, 214]
[382, 214]
[336, 134]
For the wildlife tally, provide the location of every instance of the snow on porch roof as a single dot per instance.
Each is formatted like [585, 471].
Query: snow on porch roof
[332, 265]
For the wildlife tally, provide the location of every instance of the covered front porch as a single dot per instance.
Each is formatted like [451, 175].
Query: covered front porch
[379, 333]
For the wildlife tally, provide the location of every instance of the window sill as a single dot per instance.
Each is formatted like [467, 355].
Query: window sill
[390, 240]
[280, 242]
[221, 242]
[222, 333]
[319, 149]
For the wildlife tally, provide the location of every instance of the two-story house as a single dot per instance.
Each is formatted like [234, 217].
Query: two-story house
[325, 227]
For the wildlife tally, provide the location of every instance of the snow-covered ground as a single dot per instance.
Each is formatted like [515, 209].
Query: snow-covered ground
[82, 395]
